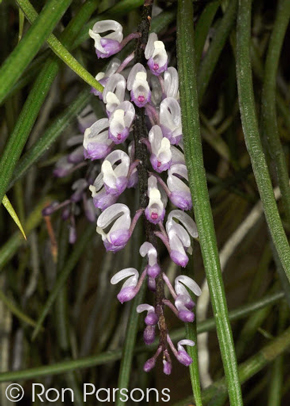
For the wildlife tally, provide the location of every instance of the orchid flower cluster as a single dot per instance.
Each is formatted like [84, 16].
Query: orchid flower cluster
[128, 89]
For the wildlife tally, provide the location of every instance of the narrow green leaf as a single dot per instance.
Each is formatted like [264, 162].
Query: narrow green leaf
[252, 137]
[52, 133]
[201, 203]
[8, 206]
[9, 249]
[28, 47]
[223, 31]
[269, 115]
[16, 310]
[21, 25]
[64, 274]
[202, 28]
[59, 49]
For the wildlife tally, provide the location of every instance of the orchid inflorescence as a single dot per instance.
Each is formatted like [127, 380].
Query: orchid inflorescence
[132, 90]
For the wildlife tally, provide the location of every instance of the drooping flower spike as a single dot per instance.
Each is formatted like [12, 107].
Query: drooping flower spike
[161, 132]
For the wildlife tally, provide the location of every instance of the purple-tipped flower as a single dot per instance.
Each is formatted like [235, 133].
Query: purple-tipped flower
[128, 290]
[114, 92]
[119, 234]
[160, 150]
[108, 44]
[62, 167]
[171, 83]
[79, 186]
[115, 170]
[183, 301]
[155, 210]
[149, 335]
[156, 55]
[178, 236]
[120, 122]
[179, 192]
[138, 85]
[103, 77]
[151, 319]
[167, 367]
[101, 198]
[96, 142]
[153, 269]
[170, 120]
[86, 118]
[149, 364]
[90, 210]
[182, 355]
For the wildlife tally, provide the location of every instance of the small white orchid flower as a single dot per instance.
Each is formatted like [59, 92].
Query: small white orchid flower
[120, 122]
[156, 54]
[180, 194]
[96, 142]
[153, 269]
[138, 85]
[182, 355]
[120, 232]
[161, 154]
[115, 170]
[151, 319]
[128, 290]
[155, 210]
[114, 92]
[178, 236]
[171, 83]
[170, 120]
[103, 77]
[108, 44]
